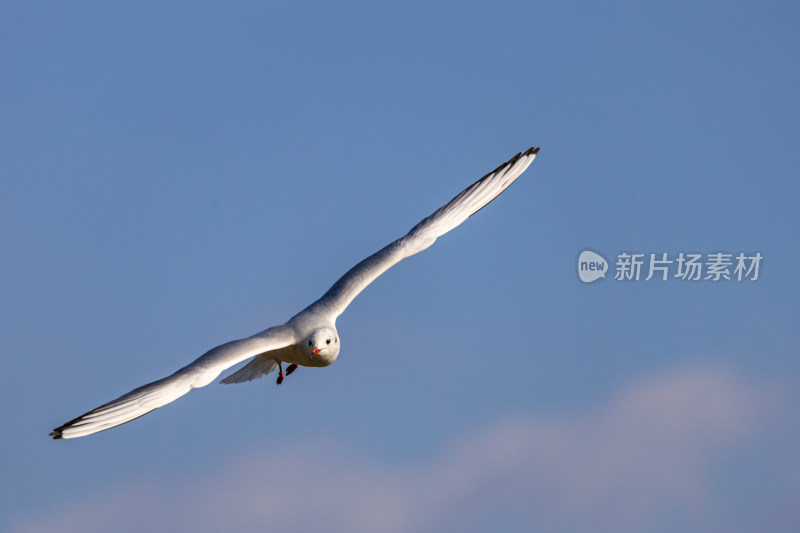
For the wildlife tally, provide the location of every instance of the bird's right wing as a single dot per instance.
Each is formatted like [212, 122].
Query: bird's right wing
[467, 203]
[197, 374]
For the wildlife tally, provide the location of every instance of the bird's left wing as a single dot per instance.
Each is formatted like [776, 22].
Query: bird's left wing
[467, 203]
[199, 373]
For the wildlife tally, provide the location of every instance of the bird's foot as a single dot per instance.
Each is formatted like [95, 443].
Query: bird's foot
[291, 368]
[280, 375]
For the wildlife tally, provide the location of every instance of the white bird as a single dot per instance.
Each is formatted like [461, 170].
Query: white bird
[310, 337]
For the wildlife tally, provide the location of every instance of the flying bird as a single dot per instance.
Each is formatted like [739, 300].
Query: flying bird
[310, 337]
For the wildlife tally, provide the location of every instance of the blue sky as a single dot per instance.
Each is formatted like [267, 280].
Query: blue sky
[178, 175]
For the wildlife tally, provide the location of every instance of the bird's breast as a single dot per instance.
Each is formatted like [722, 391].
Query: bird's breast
[302, 357]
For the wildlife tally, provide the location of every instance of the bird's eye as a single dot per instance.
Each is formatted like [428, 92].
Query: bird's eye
[327, 341]
[310, 343]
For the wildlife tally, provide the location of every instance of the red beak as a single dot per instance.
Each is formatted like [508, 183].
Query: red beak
[316, 350]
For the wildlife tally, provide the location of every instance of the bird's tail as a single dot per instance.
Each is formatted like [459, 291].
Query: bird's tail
[259, 367]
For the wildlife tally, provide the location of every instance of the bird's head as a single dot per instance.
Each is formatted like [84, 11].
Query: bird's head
[323, 344]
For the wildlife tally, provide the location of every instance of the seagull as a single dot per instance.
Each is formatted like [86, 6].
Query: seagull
[310, 337]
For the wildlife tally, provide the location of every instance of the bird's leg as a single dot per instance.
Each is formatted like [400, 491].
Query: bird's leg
[291, 368]
[280, 374]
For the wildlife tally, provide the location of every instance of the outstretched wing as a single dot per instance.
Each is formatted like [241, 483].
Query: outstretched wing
[200, 373]
[470, 201]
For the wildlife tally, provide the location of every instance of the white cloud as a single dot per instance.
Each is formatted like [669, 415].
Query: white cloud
[642, 456]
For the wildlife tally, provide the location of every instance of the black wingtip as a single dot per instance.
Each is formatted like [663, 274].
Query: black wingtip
[510, 162]
[56, 434]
